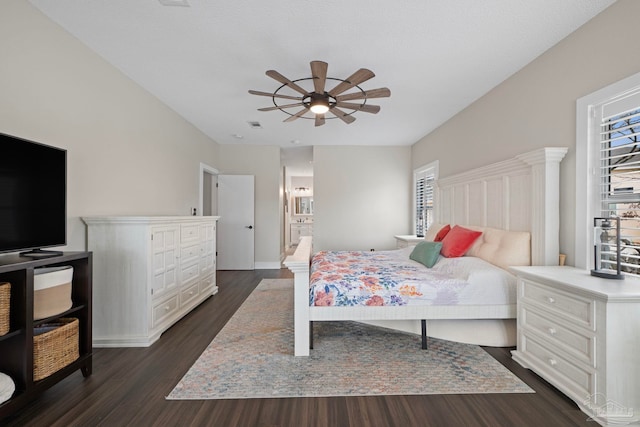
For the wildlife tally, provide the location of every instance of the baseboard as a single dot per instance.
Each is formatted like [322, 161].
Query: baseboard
[267, 266]
[128, 341]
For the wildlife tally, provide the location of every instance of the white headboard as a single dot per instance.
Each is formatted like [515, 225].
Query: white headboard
[520, 194]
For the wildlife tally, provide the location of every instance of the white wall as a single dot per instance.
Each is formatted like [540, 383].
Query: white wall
[302, 181]
[537, 106]
[361, 196]
[264, 163]
[128, 154]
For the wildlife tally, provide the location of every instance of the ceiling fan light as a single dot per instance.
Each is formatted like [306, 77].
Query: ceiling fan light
[319, 106]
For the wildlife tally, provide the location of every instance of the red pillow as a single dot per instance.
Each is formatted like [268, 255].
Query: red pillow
[458, 241]
[443, 232]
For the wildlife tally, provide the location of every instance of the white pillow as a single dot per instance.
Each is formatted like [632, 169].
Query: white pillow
[502, 248]
[432, 231]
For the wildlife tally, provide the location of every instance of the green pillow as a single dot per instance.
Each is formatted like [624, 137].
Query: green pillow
[426, 253]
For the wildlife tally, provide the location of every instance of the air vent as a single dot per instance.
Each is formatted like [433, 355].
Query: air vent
[255, 125]
[183, 3]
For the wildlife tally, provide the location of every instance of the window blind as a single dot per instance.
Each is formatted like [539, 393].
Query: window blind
[620, 178]
[425, 181]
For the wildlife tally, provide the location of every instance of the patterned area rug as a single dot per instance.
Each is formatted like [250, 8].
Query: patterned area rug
[252, 357]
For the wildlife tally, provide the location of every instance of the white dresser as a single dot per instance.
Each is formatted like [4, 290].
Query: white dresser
[582, 334]
[148, 272]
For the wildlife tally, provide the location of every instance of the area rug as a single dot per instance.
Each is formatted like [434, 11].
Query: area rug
[252, 357]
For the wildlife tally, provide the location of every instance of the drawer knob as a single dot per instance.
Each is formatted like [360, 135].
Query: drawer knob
[191, 293]
[551, 300]
[552, 331]
[553, 362]
[166, 308]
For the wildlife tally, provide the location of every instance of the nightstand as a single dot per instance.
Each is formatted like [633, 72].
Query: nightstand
[403, 241]
[582, 334]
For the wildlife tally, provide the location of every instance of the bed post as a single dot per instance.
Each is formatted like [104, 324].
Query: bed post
[298, 263]
[545, 204]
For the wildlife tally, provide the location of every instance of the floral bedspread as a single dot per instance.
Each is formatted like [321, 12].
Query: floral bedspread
[349, 278]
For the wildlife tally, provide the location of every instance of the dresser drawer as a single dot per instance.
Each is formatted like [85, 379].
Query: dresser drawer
[189, 272]
[573, 340]
[574, 308]
[189, 233]
[207, 285]
[164, 310]
[189, 294]
[574, 378]
[190, 254]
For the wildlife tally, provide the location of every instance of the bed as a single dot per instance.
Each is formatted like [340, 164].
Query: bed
[515, 205]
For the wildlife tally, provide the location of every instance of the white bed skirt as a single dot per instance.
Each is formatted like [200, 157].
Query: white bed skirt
[486, 332]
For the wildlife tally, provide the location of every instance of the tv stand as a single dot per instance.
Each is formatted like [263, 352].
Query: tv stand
[40, 253]
[16, 347]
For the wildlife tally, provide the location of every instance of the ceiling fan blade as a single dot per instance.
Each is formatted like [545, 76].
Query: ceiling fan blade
[319, 119]
[296, 115]
[367, 108]
[360, 76]
[282, 79]
[299, 104]
[319, 74]
[274, 95]
[382, 92]
[342, 115]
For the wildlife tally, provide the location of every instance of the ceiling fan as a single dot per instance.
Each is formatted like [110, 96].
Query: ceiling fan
[318, 101]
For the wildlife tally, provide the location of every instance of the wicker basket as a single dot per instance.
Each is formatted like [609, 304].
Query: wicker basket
[5, 300]
[55, 345]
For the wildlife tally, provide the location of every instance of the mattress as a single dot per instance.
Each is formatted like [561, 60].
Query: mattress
[390, 278]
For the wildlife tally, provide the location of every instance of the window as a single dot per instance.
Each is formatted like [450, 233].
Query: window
[608, 169]
[424, 179]
[620, 181]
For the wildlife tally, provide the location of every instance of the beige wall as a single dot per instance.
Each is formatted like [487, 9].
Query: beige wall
[361, 196]
[264, 163]
[128, 154]
[537, 106]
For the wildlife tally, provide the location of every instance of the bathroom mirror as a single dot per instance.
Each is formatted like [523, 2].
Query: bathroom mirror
[303, 205]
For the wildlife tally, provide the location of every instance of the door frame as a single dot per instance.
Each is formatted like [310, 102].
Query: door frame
[204, 168]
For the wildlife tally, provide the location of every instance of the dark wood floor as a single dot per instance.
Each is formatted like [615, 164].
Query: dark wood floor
[129, 385]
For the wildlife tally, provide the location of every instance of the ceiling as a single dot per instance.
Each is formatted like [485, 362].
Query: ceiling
[202, 56]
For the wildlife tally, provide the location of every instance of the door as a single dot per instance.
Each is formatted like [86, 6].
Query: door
[236, 224]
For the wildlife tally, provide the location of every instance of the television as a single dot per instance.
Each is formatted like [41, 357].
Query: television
[33, 197]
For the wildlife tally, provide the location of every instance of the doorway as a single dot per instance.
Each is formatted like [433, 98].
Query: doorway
[208, 203]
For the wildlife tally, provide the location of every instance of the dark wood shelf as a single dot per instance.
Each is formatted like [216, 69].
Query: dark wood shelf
[16, 347]
[68, 313]
[11, 334]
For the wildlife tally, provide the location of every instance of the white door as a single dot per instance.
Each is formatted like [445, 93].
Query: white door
[236, 224]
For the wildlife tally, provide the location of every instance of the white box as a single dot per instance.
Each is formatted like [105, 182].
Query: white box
[51, 291]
